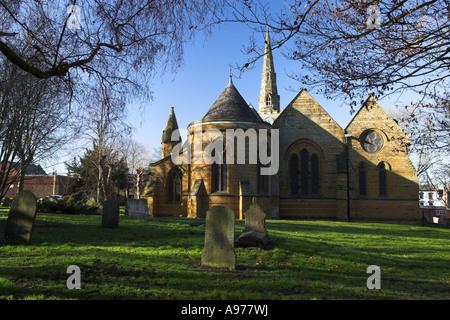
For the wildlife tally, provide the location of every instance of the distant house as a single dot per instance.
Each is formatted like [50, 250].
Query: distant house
[434, 204]
[430, 196]
[43, 184]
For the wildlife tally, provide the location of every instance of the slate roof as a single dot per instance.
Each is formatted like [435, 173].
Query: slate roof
[32, 169]
[230, 106]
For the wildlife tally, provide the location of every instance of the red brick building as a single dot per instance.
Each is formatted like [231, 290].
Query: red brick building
[43, 184]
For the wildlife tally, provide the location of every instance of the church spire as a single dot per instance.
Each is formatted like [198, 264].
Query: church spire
[268, 58]
[166, 141]
[269, 100]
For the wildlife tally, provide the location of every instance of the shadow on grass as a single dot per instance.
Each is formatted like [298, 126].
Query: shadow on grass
[160, 259]
[427, 231]
[59, 229]
[110, 280]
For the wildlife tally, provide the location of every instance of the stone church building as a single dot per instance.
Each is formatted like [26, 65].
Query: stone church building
[358, 173]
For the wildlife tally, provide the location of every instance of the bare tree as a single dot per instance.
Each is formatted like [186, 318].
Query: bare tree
[351, 48]
[118, 43]
[9, 133]
[421, 148]
[35, 121]
[137, 161]
[104, 125]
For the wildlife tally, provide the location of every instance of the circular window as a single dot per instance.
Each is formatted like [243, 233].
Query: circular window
[372, 141]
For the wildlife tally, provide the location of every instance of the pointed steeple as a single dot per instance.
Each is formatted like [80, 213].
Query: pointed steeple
[166, 141]
[269, 100]
[268, 57]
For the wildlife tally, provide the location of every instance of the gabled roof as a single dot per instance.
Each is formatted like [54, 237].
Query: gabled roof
[230, 106]
[371, 102]
[291, 105]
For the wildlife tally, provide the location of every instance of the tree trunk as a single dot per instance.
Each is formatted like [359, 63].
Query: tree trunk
[21, 177]
[99, 181]
[138, 183]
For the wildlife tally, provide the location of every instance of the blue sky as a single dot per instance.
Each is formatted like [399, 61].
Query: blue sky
[194, 88]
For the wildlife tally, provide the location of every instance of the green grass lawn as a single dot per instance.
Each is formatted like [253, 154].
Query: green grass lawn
[161, 259]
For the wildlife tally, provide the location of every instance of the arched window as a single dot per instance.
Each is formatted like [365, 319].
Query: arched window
[215, 177]
[315, 174]
[293, 173]
[304, 171]
[224, 174]
[269, 100]
[382, 179]
[362, 180]
[174, 186]
[304, 155]
[220, 175]
[269, 76]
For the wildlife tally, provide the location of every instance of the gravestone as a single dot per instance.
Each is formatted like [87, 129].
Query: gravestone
[137, 209]
[253, 239]
[254, 233]
[255, 218]
[219, 238]
[110, 215]
[21, 217]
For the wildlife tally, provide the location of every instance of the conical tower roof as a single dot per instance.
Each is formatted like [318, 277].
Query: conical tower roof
[230, 106]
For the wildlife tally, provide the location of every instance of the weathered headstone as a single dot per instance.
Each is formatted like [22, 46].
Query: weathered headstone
[255, 218]
[138, 209]
[21, 217]
[110, 215]
[219, 238]
[254, 233]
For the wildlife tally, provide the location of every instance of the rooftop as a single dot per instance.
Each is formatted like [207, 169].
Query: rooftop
[231, 106]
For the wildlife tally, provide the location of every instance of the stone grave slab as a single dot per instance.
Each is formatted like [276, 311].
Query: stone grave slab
[21, 218]
[137, 209]
[110, 214]
[219, 238]
[255, 218]
[253, 239]
[254, 233]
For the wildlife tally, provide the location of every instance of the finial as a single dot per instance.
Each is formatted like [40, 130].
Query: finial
[231, 80]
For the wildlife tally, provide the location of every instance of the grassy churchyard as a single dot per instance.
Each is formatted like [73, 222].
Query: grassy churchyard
[161, 259]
